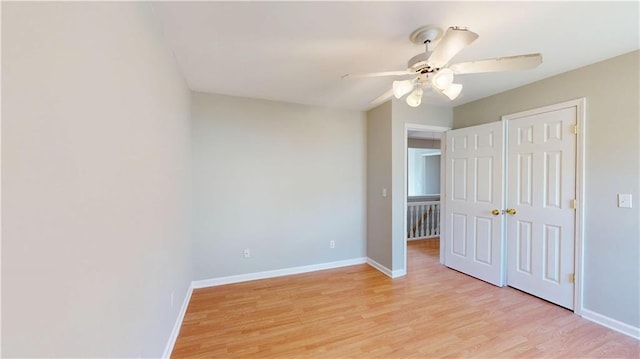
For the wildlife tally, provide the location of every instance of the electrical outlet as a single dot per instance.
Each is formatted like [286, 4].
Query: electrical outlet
[624, 200]
[246, 253]
[332, 244]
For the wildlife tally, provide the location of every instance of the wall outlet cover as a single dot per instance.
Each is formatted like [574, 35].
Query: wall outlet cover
[624, 200]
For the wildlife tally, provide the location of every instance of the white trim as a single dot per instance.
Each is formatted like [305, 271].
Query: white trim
[503, 203]
[421, 238]
[1, 184]
[425, 128]
[398, 273]
[551, 108]
[178, 324]
[581, 123]
[413, 127]
[379, 267]
[580, 105]
[443, 195]
[611, 323]
[275, 273]
[386, 271]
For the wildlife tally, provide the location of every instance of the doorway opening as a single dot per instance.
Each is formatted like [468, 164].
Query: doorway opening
[423, 173]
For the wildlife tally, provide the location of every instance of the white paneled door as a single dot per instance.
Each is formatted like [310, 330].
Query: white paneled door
[474, 192]
[535, 224]
[541, 188]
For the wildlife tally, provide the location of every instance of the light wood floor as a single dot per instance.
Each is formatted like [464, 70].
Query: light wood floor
[358, 312]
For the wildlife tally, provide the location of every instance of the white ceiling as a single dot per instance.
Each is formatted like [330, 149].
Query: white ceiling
[297, 51]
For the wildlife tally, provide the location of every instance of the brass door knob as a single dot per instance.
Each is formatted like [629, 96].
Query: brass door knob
[495, 212]
[511, 211]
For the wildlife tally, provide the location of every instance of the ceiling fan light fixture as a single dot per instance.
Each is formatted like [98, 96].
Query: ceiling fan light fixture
[415, 98]
[433, 70]
[401, 88]
[452, 91]
[442, 79]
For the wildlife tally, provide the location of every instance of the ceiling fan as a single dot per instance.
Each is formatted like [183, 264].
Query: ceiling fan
[433, 71]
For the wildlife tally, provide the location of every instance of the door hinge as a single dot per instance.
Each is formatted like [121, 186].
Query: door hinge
[573, 204]
[572, 278]
[575, 129]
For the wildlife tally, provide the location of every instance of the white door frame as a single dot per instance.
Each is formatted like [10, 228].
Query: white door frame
[580, 105]
[426, 128]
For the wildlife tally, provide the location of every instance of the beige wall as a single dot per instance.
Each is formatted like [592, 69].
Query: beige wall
[379, 178]
[95, 178]
[612, 234]
[280, 179]
[386, 152]
[403, 114]
[421, 143]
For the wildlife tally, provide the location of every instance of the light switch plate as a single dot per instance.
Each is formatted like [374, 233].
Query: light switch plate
[624, 200]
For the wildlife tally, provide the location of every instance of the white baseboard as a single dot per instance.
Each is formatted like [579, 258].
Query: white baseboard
[379, 267]
[176, 327]
[610, 323]
[421, 238]
[398, 273]
[275, 273]
[388, 272]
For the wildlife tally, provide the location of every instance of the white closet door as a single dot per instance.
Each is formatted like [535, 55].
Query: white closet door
[541, 187]
[473, 190]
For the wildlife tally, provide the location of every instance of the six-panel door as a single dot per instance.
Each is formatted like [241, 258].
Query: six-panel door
[539, 214]
[541, 187]
[473, 190]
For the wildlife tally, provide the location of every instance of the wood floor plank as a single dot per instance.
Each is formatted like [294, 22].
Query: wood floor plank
[358, 312]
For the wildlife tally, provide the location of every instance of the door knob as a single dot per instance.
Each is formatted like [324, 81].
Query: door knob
[511, 211]
[495, 212]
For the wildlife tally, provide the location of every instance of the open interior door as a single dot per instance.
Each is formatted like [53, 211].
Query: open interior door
[474, 199]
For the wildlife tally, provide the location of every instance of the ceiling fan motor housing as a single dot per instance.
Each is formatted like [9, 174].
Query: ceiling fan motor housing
[419, 64]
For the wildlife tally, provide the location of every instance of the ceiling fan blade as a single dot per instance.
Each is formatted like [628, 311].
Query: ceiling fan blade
[382, 98]
[452, 42]
[511, 63]
[380, 74]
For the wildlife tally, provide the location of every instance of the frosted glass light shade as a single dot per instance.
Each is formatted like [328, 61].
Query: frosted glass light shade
[452, 91]
[401, 88]
[415, 98]
[442, 79]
